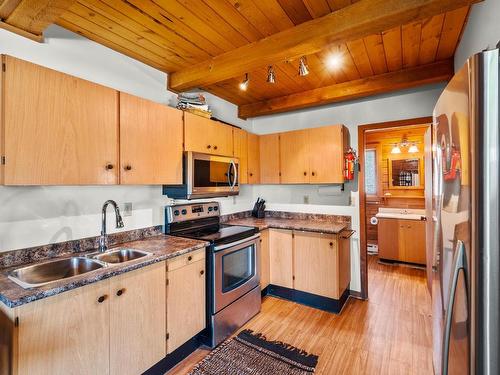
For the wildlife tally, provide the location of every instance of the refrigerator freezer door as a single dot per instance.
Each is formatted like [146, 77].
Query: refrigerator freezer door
[452, 207]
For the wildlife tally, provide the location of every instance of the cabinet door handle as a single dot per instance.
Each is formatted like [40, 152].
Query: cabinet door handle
[101, 299]
[190, 258]
[215, 147]
[202, 272]
[109, 166]
[119, 292]
[128, 167]
[251, 174]
[305, 173]
[331, 243]
[209, 146]
[313, 173]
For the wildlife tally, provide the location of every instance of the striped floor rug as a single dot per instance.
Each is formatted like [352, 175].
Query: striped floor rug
[251, 354]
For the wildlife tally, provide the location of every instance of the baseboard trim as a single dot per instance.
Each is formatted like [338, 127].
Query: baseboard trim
[309, 299]
[174, 358]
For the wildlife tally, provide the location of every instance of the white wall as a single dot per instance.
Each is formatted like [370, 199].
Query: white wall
[482, 31]
[32, 216]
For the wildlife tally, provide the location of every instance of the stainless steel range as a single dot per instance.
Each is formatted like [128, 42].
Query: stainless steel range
[233, 292]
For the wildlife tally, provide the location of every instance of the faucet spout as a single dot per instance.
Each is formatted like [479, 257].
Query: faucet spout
[103, 239]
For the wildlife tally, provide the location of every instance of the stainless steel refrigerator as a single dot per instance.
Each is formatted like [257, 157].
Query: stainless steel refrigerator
[465, 215]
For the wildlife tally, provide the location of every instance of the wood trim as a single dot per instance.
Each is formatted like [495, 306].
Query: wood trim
[362, 199]
[352, 22]
[387, 82]
[21, 32]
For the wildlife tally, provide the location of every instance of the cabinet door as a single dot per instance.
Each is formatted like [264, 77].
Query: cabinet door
[264, 259]
[281, 257]
[344, 263]
[414, 241]
[253, 159]
[150, 142]
[241, 152]
[327, 154]
[389, 239]
[137, 324]
[186, 312]
[316, 264]
[269, 159]
[65, 334]
[208, 136]
[294, 157]
[59, 130]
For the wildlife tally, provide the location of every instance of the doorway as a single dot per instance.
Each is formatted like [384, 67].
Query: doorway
[394, 162]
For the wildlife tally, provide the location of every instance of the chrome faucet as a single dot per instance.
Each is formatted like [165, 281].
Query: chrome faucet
[103, 240]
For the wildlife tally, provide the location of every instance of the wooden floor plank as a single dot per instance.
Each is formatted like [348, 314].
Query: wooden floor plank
[388, 334]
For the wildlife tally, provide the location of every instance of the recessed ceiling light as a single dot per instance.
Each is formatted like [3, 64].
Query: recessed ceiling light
[334, 60]
[244, 83]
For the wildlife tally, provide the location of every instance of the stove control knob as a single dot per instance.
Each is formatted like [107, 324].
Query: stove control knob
[210, 209]
[184, 211]
[216, 208]
[176, 212]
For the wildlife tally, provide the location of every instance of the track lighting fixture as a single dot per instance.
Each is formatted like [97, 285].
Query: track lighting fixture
[244, 83]
[303, 68]
[271, 76]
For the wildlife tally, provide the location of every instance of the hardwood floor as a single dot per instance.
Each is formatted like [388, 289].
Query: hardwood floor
[388, 334]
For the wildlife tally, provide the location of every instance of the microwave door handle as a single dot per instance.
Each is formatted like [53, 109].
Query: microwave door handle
[229, 176]
[235, 179]
[459, 264]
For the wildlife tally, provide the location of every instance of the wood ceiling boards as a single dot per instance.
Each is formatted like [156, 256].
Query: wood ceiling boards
[210, 44]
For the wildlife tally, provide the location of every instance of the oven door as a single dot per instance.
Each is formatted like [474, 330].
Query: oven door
[235, 272]
[211, 176]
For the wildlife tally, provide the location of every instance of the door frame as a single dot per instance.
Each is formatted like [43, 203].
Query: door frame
[361, 188]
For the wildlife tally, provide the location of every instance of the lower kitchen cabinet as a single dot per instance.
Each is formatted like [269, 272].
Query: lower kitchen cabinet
[402, 240]
[65, 334]
[137, 325]
[281, 257]
[115, 326]
[264, 259]
[186, 310]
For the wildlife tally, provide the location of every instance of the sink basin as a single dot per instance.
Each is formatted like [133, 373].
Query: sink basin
[56, 270]
[120, 255]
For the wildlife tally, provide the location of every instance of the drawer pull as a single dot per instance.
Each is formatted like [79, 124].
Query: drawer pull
[120, 292]
[202, 272]
[209, 146]
[190, 258]
[101, 299]
[331, 243]
[109, 167]
[128, 167]
[215, 147]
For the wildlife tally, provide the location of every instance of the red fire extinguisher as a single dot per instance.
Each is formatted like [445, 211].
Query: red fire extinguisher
[350, 160]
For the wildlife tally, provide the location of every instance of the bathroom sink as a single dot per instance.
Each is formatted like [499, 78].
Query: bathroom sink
[56, 270]
[121, 255]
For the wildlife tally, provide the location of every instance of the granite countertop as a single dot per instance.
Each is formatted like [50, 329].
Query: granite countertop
[161, 247]
[309, 225]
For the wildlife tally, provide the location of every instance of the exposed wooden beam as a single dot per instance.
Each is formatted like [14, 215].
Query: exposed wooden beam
[33, 16]
[358, 20]
[412, 77]
[7, 7]
[26, 34]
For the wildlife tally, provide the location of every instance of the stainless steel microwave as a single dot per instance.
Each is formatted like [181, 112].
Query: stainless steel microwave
[206, 176]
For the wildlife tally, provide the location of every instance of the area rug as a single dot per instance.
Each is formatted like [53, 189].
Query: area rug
[251, 353]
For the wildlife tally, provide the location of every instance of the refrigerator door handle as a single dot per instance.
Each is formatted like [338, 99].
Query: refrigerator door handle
[459, 264]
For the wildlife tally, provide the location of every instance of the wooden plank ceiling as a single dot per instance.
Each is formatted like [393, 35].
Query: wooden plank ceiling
[175, 35]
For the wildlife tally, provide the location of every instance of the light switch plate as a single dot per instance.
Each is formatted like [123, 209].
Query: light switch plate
[127, 209]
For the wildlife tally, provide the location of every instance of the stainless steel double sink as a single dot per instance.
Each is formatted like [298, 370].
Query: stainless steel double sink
[67, 268]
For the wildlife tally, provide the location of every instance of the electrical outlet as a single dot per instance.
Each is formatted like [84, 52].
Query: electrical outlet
[306, 199]
[127, 209]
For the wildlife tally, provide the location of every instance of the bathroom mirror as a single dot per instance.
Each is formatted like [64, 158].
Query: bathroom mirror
[406, 173]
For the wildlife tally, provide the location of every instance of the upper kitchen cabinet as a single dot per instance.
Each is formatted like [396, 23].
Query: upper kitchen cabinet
[294, 156]
[327, 146]
[253, 159]
[269, 158]
[208, 136]
[58, 129]
[313, 155]
[240, 139]
[150, 142]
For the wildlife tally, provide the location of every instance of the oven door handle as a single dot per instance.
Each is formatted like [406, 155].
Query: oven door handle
[236, 243]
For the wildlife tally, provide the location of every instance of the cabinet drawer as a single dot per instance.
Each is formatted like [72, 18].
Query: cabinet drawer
[184, 260]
